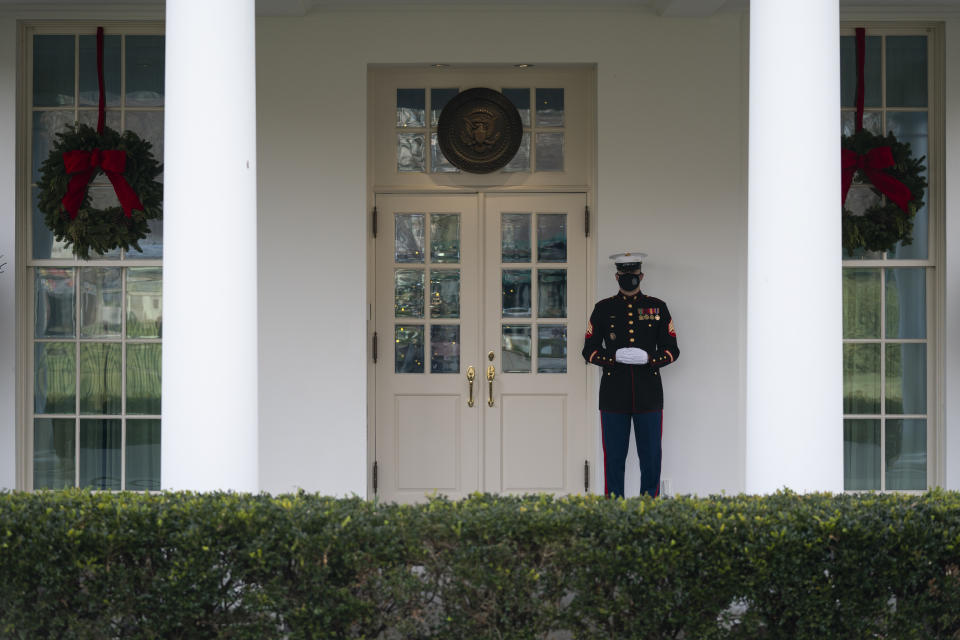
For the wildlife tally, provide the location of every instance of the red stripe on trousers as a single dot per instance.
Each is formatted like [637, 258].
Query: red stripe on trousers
[603, 443]
[656, 494]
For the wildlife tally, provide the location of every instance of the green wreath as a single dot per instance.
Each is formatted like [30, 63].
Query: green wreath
[882, 226]
[100, 230]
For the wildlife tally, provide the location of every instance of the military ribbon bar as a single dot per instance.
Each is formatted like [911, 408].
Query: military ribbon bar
[82, 165]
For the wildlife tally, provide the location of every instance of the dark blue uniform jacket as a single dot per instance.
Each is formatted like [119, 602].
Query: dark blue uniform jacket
[630, 321]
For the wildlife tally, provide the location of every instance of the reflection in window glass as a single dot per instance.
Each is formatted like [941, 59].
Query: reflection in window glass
[861, 455]
[408, 293]
[549, 152]
[145, 71]
[521, 100]
[552, 293]
[54, 453]
[552, 237]
[144, 302]
[549, 107]
[100, 377]
[906, 373]
[516, 293]
[143, 455]
[906, 454]
[100, 302]
[906, 303]
[55, 377]
[411, 104]
[410, 152]
[861, 303]
[861, 378]
[445, 348]
[521, 160]
[438, 100]
[143, 378]
[100, 442]
[445, 238]
[52, 70]
[552, 348]
[515, 237]
[515, 348]
[55, 313]
[445, 293]
[438, 161]
[906, 71]
[408, 348]
[408, 237]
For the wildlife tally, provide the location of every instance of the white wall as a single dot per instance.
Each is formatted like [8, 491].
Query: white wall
[671, 179]
[8, 336]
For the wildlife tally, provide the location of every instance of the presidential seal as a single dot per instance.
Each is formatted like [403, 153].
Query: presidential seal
[479, 130]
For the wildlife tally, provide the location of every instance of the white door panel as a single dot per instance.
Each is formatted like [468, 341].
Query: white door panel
[427, 437]
[538, 441]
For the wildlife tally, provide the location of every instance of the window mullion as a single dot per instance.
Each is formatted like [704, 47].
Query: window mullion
[883, 379]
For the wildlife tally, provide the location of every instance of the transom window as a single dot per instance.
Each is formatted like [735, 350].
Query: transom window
[541, 111]
[888, 298]
[95, 326]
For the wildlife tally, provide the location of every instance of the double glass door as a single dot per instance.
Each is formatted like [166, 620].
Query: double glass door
[480, 305]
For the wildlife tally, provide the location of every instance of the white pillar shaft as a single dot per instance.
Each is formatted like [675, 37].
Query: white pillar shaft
[794, 431]
[209, 439]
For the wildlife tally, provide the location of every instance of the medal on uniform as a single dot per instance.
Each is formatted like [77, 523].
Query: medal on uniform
[656, 317]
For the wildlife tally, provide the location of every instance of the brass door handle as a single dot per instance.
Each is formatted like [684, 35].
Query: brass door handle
[471, 374]
[491, 374]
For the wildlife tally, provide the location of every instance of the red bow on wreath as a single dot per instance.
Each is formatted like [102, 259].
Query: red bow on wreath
[872, 164]
[81, 165]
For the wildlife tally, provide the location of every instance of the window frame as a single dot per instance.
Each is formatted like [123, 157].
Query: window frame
[932, 264]
[26, 264]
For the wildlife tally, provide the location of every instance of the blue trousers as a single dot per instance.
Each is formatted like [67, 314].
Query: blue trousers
[648, 430]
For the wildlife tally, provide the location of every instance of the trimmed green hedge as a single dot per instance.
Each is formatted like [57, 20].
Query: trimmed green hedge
[75, 564]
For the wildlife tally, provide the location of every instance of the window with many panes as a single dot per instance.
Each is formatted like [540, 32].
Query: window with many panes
[95, 327]
[541, 111]
[888, 298]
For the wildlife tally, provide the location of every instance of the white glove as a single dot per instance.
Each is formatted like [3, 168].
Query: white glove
[632, 355]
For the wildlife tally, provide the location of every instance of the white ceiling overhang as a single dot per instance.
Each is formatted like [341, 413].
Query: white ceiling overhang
[666, 8]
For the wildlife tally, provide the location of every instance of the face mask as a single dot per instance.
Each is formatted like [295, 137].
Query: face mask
[628, 281]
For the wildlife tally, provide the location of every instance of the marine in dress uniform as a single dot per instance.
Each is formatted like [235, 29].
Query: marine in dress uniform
[631, 336]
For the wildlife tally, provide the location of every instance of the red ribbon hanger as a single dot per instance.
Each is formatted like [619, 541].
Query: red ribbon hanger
[873, 163]
[82, 165]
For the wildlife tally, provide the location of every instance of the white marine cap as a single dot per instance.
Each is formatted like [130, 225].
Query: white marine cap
[628, 257]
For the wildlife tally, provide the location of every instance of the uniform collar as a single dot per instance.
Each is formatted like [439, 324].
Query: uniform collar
[634, 298]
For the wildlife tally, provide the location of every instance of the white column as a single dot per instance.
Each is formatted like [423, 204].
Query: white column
[8, 244]
[794, 431]
[209, 438]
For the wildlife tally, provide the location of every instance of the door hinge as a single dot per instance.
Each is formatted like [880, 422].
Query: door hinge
[586, 220]
[374, 222]
[374, 347]
[586, 476]
[374, 476]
